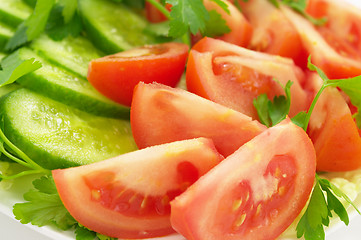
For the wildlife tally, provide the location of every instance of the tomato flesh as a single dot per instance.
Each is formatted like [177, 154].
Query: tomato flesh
[235, 76]
[116, 75]
[334, 132]
[255, 193]
[273, 33]
[129, 196]
[183, 115]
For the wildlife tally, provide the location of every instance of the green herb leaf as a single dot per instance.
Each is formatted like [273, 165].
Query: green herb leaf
[13, 67]
[319, 210]
[187, 14]
[271, 113]
[70, 7]
[223, 5]
[216, 25]
[58, 27]
[43, 207]
[83, 233]
[33, 26]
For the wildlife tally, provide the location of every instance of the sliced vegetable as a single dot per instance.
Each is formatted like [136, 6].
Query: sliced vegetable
[240, 31]
[13, 12]
[234, 76]
[334, 132]
[273, 33]
[128, 196]
[113, 27]
[336, 64]
[73, 54]
[57, 136]
[116, 75]
[63, 86]
[255, 193]
[161, 114]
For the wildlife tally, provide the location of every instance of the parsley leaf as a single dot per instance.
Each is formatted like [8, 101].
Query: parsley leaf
[70, 7]
[271, 113]
[44, 206]
[33, 26]
[13, 67]
[216, 25]
[320, 209]
[83, 233]
[187, 14]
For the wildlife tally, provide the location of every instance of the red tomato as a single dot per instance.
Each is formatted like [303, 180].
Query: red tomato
[343, 24]
[128, 196]
[233, 76]
[255, 193]
[240, 29]
[160, 114]
[153, 14]
[336, 60]
[334, 132]
[273, 33]
[116, 75]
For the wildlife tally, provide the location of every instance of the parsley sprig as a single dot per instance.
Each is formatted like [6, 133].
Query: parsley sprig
[323, 202]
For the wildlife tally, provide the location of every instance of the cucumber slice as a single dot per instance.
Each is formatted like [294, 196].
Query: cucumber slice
[13, 12]
[5, 34]
[57, 136]
[2, 55]
[112, 26]
[73, 54]
[63, 86]
[8, 88]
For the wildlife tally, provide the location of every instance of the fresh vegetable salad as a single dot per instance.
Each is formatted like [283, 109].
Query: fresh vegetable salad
[173, 119]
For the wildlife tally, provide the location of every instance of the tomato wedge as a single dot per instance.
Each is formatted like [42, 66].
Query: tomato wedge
[234, 76]
[272, 31]
[116, 75]
[240, 29]
[343, 27]
[334, 132]
[128, 196]
[255, 193]
[160, 114]
[334, 61]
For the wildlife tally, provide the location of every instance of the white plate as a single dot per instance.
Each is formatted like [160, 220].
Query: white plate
[14, 230]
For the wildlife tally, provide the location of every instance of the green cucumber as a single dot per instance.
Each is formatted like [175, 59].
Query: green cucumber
[73, 54]
[61, 85]
[5, 34]
[58, 136]
[112, 26]
[2, 55]
[8, 88]
[13, 12]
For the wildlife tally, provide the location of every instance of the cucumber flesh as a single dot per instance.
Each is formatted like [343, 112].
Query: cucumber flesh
[13, 12]
[5, 34]
[112, 26]
[58, 136]
[73, 54]
[63, 86]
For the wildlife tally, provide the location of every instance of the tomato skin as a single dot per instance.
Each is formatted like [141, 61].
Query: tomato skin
[153, 14]
[116, 75]
[128, 196]
[334, 132]
[233, 76]
[273, 33]
[255, 193]
[183, 115]
[240, 29]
